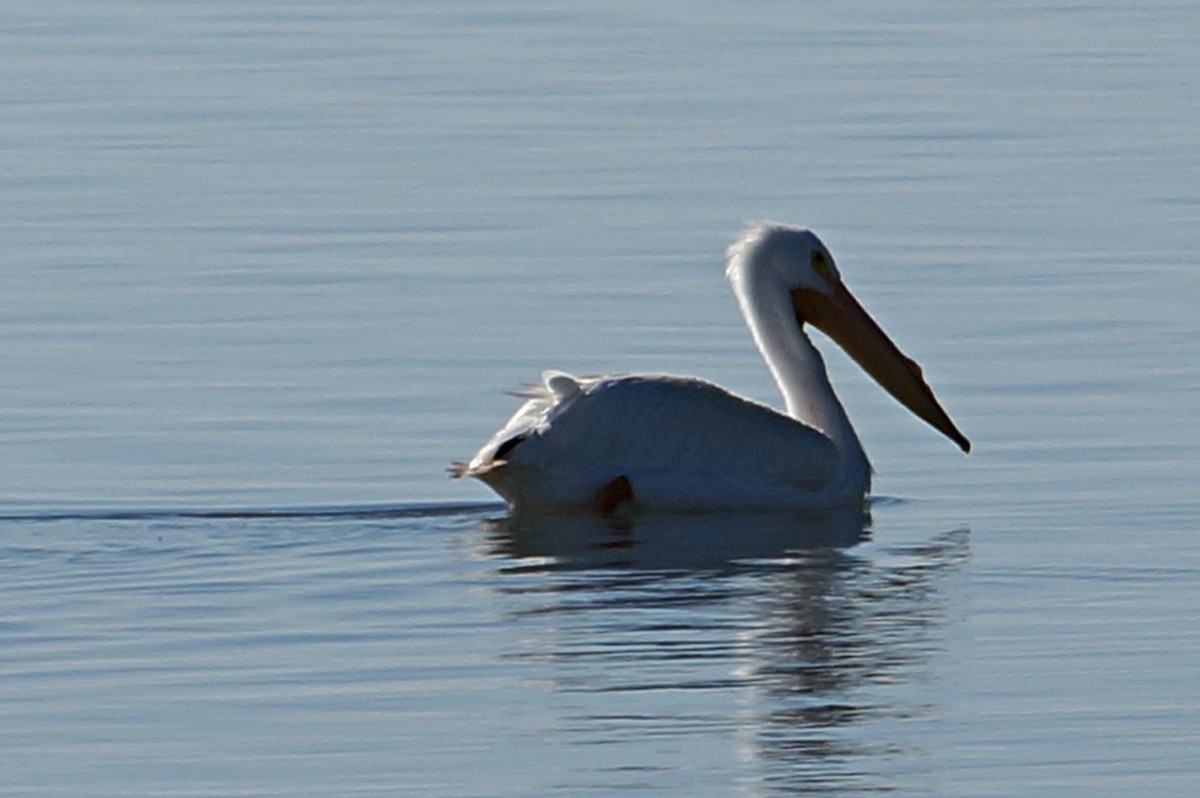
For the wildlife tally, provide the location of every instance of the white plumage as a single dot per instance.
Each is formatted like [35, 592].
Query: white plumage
[679, 443]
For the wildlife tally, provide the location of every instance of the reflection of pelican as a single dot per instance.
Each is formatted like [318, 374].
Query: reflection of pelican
[674, 541]
[819, 664]
[678, 443]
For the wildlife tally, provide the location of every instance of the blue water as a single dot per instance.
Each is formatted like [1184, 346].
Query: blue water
[268, 269]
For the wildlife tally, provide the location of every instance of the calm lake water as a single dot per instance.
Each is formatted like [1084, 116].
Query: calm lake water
[268, 268]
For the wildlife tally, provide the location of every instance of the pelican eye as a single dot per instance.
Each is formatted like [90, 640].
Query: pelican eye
[820, 265]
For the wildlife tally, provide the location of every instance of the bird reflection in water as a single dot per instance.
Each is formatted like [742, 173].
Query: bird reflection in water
[766, 635]
[673, 541]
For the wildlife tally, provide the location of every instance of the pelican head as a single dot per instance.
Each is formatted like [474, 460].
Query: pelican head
[796, 259]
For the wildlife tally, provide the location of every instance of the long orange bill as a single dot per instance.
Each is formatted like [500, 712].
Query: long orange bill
[843, 319]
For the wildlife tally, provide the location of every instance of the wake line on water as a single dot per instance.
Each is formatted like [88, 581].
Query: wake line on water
[333, 512]
[253, 513]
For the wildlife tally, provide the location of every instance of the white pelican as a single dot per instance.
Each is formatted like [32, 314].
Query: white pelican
[679, 443]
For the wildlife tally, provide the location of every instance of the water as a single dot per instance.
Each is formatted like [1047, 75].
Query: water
[267, 270]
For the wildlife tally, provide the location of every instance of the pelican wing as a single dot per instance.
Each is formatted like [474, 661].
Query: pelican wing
[671, 436]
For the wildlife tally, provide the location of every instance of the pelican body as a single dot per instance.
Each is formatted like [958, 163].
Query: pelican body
[660, 442]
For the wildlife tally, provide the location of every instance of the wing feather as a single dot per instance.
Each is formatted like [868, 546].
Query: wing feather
[672, 424]
[571, 436]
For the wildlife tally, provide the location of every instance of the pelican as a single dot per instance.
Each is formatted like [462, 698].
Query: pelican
[661, 442]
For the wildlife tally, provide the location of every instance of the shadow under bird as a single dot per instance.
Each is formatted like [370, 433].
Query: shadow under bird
[661, 442]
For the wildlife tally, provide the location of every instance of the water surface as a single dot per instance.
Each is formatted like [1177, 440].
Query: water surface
[268, 270]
